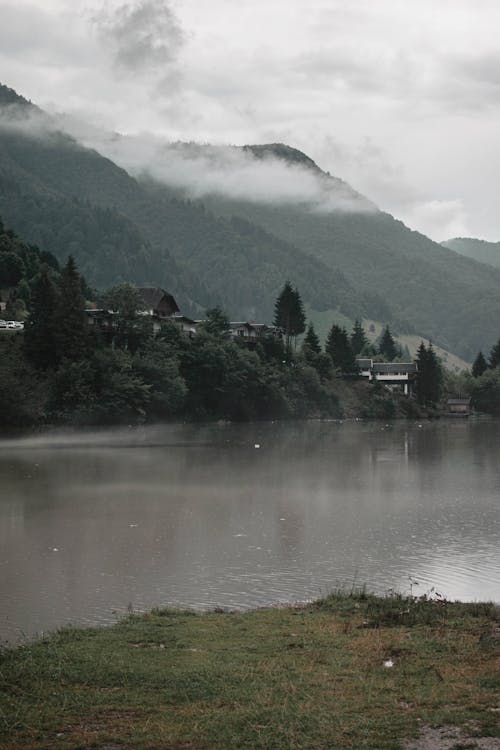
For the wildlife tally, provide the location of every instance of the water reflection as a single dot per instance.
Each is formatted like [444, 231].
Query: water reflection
[198, 516]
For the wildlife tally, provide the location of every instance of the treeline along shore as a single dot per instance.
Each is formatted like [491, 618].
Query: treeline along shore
[59, 369]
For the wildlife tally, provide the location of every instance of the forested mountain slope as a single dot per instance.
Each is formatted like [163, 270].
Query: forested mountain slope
[238, 252]
[69, 198]
[480, 250]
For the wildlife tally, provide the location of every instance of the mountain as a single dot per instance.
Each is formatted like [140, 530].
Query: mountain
[228, 226]
[480, 250]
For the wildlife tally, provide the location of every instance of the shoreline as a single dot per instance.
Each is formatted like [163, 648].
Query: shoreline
[350, 670]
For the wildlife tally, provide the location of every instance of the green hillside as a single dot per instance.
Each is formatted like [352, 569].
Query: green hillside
[480, 250]
[401, 276]
[69, 198]
[358, 262]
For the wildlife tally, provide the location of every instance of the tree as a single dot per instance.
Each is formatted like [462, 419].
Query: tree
[495, 356]
[216, 322]
[12, 269]
[339, 348]
[311, 340]
[131, 328]
[289, 313]
[430, 375]
[358, 338]
[485, 392]
[40, 327]
[311, 351]
[479, 366]
[71, 332]
[387, 346]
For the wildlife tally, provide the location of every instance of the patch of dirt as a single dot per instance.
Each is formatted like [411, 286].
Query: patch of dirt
[450, 738]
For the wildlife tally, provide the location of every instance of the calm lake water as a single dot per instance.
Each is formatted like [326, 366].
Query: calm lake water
[93, 523]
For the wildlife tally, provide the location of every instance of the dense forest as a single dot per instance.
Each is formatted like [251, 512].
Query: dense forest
[480, 250]
[236, 253]
[59, 370]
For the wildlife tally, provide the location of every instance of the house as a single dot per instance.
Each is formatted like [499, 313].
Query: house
[392, 374]
[365, 367]
[243, 330]
[251, 333]
[157, 302]
[187, 325]
[459, 407]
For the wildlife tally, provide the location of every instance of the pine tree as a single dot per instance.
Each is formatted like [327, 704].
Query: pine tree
[387, 346]
[40, 327]
[494, 360]
[479, 366]
[289, 313]
[358, 338]
[311, 340]
[339, 348]
[71, 324]
[430, 375]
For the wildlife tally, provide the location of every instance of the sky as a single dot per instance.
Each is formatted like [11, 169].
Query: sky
[399, 99]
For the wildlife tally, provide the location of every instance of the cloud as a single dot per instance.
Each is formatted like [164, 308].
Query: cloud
[439, 219]
[199, 170]
[143, 37]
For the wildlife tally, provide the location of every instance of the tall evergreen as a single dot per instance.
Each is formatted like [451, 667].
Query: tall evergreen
[430, 375]
[71, 332]
[339, 348]
[494, 360]
[479, 366]
[289, 313]
[40, 327]
[311, 340]
[387, 346]
[358, 338]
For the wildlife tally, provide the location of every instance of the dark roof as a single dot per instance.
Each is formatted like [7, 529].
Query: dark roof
[153, 295]
[458, 401]
[394, 367]
[364, 364]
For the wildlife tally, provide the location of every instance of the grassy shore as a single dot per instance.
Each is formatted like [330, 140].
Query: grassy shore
[350, 671]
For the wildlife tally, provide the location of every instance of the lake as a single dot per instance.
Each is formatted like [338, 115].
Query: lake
[237, 516]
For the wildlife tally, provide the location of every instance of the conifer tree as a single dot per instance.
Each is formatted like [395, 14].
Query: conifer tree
[339, 348]
[40, 326]
[387, 346]
[311, 340]
[289, 313]
[358, 338]
[71, 325]
[479, 366]
[430, 375]
[494, 360]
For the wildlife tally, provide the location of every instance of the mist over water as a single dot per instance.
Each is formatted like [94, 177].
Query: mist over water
[198, 516]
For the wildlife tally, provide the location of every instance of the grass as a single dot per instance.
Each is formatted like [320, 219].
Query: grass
[296, 677]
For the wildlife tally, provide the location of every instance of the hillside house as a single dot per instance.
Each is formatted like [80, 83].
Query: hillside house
[187, 325]
[251, 333]
[400, 375]
[157, 302]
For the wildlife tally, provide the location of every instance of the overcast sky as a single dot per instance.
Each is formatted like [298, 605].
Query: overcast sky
[400, 99]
